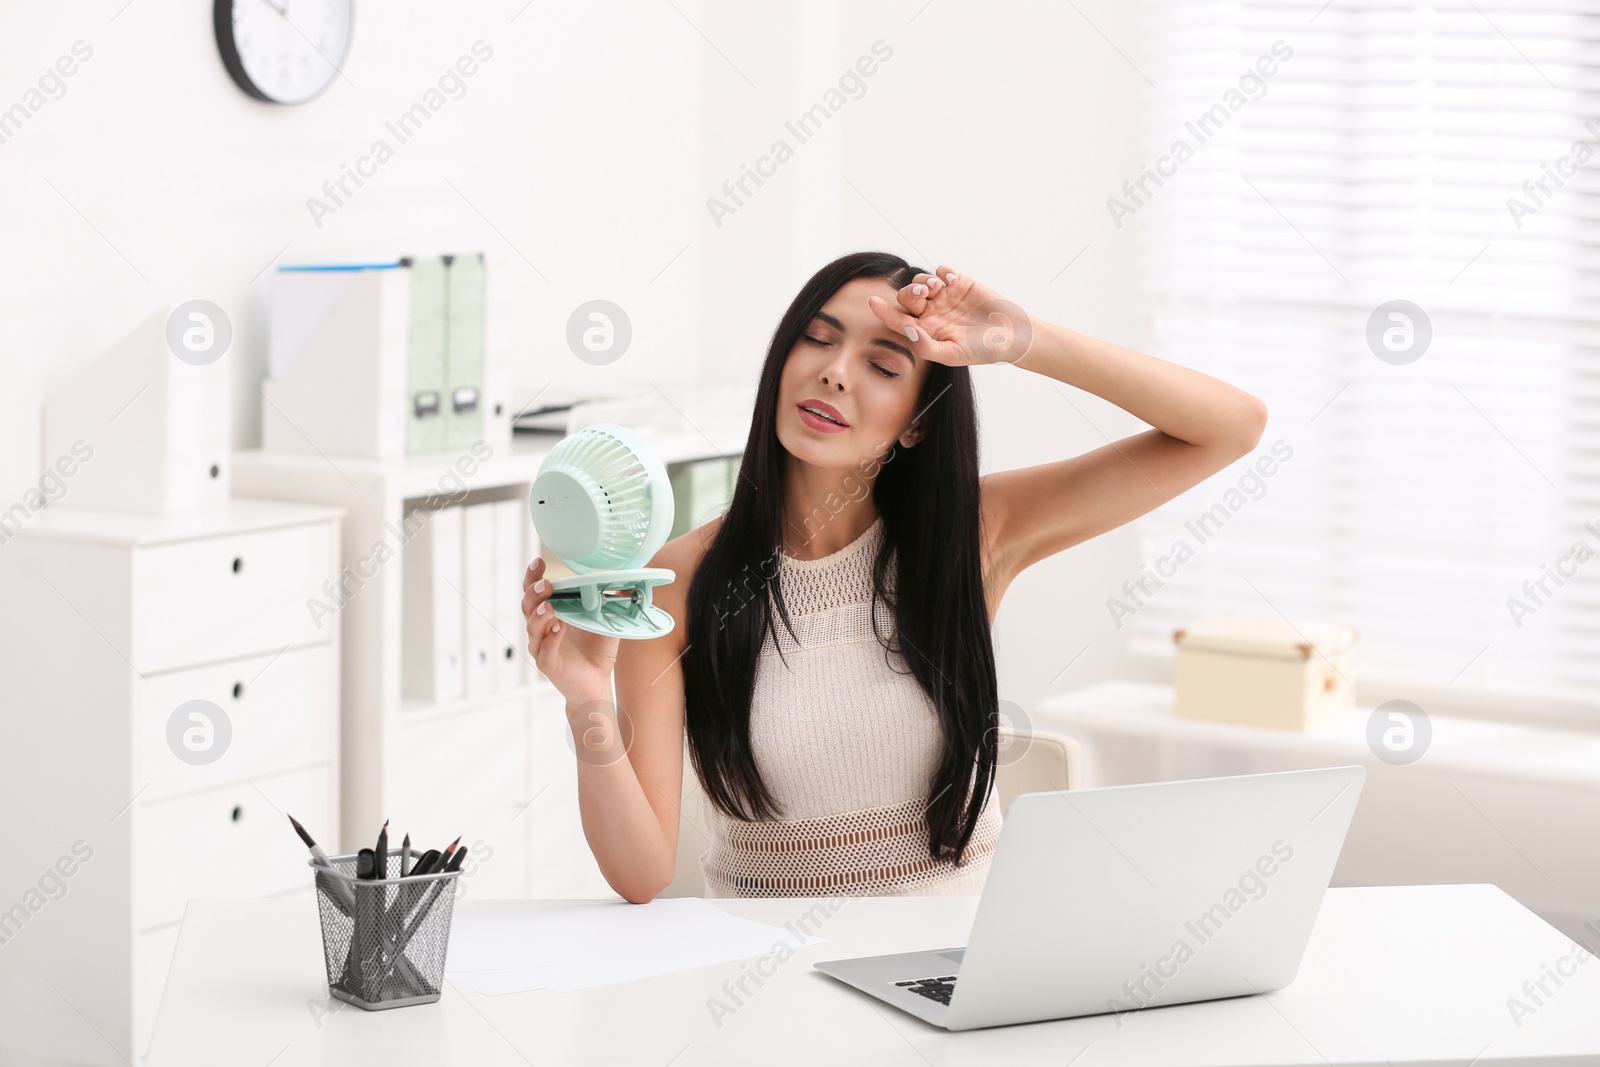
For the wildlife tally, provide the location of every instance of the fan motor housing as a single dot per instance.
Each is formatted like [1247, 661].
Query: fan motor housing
[564, 515]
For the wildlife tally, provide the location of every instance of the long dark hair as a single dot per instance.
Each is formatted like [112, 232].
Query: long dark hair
[928, 498]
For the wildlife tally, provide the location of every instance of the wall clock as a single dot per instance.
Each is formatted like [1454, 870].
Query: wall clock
[282, 51]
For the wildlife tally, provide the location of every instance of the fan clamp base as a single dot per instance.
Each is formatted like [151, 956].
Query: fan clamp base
[613, 603]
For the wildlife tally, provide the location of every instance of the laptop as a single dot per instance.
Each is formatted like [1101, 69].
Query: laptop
[1131, 897]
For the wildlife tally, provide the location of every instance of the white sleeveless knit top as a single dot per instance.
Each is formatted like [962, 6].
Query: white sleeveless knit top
[847, 742]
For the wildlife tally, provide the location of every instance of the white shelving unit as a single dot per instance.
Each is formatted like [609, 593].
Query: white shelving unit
[498, 768]
[114, 622]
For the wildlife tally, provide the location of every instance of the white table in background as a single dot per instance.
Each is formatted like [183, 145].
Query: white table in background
[1400, 974]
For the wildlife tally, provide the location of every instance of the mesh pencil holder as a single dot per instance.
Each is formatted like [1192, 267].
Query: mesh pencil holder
[384, 941]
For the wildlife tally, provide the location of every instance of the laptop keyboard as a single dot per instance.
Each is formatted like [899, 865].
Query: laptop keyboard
[935, 989]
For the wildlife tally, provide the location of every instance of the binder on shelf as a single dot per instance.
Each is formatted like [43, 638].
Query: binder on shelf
[381, 360]
[431, 610]
[511, 559]
[425, 380]
[482, 646]
[464, 350]
[140, 430]
[337, 361]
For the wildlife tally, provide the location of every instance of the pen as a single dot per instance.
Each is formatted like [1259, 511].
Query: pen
[380, 853]
[365, 924]
[448, 862]
[432, 862]
[421, 913]
[433, 892]
[415, 901]
[409, 895]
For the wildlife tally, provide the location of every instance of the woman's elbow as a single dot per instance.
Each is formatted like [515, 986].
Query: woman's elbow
[641, 887]
[637, 893]
[638, 897]
[1250, 424]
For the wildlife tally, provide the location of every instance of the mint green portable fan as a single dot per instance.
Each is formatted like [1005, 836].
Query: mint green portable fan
[602, 503]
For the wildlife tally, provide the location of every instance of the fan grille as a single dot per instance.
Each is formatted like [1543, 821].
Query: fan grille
[620, 488]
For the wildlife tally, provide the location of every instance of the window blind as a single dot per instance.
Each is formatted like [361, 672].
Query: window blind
[1447, 505]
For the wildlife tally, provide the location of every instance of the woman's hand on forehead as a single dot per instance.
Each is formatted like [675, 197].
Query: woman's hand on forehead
[951, 318]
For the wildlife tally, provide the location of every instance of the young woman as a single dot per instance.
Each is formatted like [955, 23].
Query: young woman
[832, 669]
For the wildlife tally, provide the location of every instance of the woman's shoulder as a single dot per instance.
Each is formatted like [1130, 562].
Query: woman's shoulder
[684, 552]
[682, 556]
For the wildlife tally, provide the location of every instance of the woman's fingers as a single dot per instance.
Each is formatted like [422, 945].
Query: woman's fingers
[915, 295]
[923, 292]
[546, 635]
[891, 315]
[544, 632]
[544, 638]
[902, 323]
[953, 279]
[534, 576]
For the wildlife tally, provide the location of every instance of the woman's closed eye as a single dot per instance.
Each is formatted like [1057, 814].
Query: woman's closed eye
[877, 367]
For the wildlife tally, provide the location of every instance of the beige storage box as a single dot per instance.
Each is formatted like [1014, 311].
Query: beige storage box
[1264, 672]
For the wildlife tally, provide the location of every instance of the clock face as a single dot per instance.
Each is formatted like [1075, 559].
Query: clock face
[283, 51]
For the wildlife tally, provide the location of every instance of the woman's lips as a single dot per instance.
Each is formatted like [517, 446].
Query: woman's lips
[816, 423]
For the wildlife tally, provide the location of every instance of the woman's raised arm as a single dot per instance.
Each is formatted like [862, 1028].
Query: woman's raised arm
[1201, 424]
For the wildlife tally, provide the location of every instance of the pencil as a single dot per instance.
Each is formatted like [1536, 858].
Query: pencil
[444, 857]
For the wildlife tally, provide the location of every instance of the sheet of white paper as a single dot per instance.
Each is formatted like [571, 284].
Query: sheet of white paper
[580, 946]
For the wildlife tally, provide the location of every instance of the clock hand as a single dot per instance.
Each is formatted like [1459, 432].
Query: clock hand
[282, 10]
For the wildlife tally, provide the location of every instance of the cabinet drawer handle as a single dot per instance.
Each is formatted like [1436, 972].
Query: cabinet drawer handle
[237, 814]
[238, 690]
[238, 564]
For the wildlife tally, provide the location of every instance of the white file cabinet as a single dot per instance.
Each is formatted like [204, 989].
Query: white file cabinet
[488, 756]
[167, 697]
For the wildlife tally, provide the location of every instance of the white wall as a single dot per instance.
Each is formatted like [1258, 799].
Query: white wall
[989, 142]
[154, 180]
[585, 151]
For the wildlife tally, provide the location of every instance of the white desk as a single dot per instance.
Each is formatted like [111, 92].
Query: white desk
[1396, 974]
